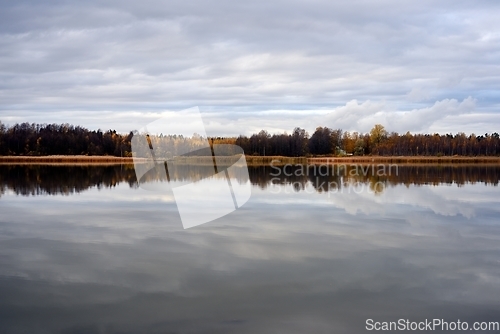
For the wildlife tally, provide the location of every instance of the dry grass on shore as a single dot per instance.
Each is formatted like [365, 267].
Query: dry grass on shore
[64, 159]
[405, 160]
[254, 160]
[280, 160]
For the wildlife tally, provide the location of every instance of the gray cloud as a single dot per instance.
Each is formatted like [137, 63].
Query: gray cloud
[62, 59]
[117, 260]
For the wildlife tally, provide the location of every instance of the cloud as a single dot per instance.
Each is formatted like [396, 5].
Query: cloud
[362, 116]
[353, 116]
[422, 119]
[418, 94]
[59, 61]
[444, 116]
[137, 269]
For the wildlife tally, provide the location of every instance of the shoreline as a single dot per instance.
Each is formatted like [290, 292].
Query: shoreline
[256, 160]
[370, 160]
[406, 160]
[65, 160]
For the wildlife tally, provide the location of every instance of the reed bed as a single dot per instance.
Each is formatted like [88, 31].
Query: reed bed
[251, 160]
[65, 159]
[254, 160]
[275, 160]
[279, 160]
[405, 160]
[201, 160]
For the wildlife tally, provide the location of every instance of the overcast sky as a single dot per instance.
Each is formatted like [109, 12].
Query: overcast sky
[419, 66]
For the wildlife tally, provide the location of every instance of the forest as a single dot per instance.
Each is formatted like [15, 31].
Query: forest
[63, 139]
[326, 141]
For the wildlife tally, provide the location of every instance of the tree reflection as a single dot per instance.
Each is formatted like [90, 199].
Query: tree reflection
[33, 180]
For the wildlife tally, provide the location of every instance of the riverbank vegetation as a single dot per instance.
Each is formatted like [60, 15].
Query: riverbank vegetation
[63, 139]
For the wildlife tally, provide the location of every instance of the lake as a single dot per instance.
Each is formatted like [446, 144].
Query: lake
[87, 249]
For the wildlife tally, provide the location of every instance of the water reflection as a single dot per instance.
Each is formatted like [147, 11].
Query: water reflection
[115, 259]
[39, 179]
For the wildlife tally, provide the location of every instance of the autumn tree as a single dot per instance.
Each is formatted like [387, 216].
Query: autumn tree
[377, 134]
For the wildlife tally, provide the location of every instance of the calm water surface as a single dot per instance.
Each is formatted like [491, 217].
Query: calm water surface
[86, 250]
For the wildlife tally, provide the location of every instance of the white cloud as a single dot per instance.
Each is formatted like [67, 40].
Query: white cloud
[353, 116]
[362, 117]
[58, 62]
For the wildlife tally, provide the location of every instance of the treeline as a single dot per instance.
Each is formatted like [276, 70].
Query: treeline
[61, 139]
[64, 139]
[326, 141]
